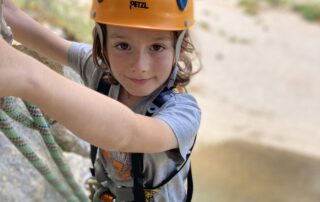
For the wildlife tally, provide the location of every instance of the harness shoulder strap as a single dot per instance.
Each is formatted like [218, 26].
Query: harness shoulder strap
[103, 88]
[137, 158]
[137, 167]
[93, 156]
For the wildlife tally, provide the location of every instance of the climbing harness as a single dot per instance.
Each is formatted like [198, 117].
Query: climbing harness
[67, 187]
[139, 192]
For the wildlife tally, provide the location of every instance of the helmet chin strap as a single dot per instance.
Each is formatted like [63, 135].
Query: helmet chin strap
[101, 39]
[175, 69]
[100, 35]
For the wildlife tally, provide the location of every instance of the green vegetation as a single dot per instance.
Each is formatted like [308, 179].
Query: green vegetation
[250, 6]
[277, 2]
[71, 16]
[309, 9]
[253, 6]
[204, 25]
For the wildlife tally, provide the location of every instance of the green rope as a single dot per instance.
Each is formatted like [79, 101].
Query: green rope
[42, 167]
[56, 154]
[38, 122]
[10, 107]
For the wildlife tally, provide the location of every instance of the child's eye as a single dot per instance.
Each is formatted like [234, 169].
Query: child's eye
[123, 46]
[157, 48]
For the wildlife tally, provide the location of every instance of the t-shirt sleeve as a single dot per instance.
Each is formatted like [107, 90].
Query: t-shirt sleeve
[80, 60]
[183, 115]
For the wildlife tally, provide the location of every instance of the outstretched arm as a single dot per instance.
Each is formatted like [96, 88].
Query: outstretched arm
[33, 35]
[95, 118]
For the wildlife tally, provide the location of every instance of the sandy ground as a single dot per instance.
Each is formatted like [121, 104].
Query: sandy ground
[260, 77]
[260, 135]
[238, 171]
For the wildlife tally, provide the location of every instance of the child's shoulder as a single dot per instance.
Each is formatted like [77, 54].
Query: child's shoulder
[180, 100]
[183, 95]
[80, 47]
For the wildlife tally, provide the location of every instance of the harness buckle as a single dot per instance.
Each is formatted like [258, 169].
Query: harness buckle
[91, 184]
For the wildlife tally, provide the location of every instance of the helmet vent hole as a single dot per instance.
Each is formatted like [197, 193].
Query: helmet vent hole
[182, 4]
[94, 13]
[186, 23]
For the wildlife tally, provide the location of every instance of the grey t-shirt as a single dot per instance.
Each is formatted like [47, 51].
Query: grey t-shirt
[180, 112]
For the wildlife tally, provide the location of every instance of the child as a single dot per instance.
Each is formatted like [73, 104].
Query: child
[139, 58]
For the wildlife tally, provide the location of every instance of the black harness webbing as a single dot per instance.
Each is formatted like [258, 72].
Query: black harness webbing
[103, 88]
[137, 167]
[137, 158]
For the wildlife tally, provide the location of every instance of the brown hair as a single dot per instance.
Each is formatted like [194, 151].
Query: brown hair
[185, 64]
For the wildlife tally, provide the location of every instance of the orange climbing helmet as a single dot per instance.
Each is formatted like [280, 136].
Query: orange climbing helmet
[149, 14]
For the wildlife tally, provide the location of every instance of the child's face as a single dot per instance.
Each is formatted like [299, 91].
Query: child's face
[140, 59]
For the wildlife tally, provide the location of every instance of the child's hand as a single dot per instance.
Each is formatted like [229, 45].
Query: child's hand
[8, 6]
[34, 36]
[7, 12]
[5, 30]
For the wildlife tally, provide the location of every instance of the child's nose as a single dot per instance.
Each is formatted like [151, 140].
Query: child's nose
[141, 62]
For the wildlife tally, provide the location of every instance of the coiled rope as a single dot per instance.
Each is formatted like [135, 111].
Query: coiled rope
[67, 187]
